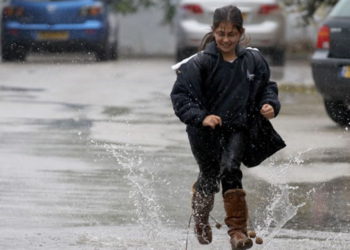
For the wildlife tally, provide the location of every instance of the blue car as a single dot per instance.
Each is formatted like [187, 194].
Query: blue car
[58, 26]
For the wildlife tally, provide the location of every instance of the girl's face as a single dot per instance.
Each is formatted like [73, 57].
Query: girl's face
[227, 37]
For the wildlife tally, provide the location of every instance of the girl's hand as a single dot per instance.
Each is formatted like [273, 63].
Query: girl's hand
[212, 121]
[267, 111]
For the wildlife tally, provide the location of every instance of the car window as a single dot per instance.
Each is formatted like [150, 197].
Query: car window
[342, 9]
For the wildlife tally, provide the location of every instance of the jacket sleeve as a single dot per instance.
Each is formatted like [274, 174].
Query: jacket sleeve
[186, 95]
[268, 90]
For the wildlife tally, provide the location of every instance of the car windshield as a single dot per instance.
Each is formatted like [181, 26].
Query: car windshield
[342, 9]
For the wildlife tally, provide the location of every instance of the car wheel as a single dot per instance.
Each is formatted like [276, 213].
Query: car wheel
[13, 52]
[278, 57]
[114, 51]
[184, 53]
[338, 111]
[103, 52]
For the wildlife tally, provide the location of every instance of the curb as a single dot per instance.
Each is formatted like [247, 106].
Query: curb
[297, 88]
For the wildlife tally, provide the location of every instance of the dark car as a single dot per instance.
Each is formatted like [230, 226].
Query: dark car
[331, 63]
[58, 25]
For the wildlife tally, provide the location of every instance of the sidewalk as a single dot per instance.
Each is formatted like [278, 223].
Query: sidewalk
[297, 71]
[296, 75]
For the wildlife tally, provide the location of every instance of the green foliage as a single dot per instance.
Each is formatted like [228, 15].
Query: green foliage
[169, 10]
[309, 7]
[131, 6]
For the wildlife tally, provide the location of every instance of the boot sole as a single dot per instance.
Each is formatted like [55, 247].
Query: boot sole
[206, 236]
[247, 244]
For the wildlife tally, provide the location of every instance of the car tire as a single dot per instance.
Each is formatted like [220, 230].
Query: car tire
[102, 52]
[13, 52]
[338, 111]
[184, 53]
[114, 51]
[278, 57]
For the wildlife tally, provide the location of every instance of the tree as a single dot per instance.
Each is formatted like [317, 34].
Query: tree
[131, 6]
[308, 8]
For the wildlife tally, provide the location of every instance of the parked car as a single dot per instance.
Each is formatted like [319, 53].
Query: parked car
[58, 25]
[264, 22]
[331, 63]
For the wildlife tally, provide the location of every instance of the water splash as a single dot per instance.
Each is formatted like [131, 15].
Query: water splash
[277, 214]
[148, 209]
[283, 202]
[280, 209]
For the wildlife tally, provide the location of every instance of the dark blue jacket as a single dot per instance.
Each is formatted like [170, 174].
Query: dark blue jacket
[201, 78]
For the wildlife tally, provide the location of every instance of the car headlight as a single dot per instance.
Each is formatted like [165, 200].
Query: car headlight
[12, 11]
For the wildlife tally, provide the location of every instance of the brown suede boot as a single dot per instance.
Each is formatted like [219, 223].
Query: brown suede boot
[201, 207]
[236, 218]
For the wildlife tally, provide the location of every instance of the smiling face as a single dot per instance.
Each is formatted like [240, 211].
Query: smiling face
[227, 37]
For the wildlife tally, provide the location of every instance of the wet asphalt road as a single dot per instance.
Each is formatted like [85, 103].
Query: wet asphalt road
[92, 157]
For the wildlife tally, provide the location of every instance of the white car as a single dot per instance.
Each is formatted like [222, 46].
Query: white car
[264, 22]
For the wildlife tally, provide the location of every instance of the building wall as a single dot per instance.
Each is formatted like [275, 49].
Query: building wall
[143, 34]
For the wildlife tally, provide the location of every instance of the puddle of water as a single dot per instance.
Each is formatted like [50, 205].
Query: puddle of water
[138, 198]
[269, 220]
[116, 111]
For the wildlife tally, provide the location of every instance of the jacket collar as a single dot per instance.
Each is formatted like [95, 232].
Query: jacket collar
[212, 49]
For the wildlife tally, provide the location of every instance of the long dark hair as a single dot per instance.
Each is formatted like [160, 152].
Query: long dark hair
[227, 13]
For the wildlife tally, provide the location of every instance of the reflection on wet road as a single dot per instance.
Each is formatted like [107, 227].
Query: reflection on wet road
[92, 157]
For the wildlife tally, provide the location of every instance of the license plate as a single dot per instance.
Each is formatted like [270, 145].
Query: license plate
[345, 72]
[53, 35]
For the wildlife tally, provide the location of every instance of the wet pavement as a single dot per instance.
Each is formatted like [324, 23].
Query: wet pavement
[92, 157]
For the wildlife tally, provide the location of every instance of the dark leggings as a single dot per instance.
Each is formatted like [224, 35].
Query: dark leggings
[219, 154]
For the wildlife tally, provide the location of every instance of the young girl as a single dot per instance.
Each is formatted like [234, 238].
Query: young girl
[211, 96]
